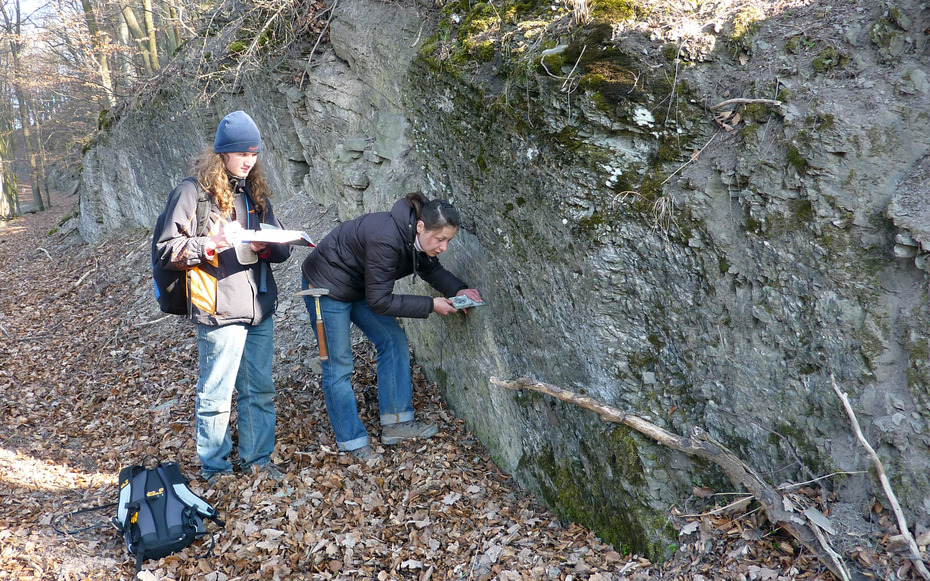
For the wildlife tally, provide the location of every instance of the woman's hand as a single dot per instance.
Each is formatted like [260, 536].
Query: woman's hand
[472, 293]
[227, 235]
[224, 239]
[443, 306]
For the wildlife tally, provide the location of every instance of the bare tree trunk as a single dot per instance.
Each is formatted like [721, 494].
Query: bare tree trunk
[98, 40]
[123, 58]
[10, 185]
[40, 151]
[150, 32]
[24, 118]
[137, 34]
[9, 199]
[6, 199]
[14, 28]
[173, 30]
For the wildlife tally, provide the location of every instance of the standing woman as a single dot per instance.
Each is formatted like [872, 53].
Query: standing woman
[358, 263]
[232, 294]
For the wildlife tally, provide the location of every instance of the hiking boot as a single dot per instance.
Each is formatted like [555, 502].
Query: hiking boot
[215, 477]
[367, 454]
[395, 433]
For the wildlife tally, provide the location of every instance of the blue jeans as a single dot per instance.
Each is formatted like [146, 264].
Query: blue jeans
[235, 357]
[395, 391]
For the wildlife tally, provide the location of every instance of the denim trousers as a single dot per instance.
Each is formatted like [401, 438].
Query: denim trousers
[235, 357]
[395, 390]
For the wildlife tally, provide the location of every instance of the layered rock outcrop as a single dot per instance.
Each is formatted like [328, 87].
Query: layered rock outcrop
[699, 266]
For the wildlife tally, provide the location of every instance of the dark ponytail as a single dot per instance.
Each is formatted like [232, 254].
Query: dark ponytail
[435, 214]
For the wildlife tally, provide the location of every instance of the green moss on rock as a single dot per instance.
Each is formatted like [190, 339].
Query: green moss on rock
[567, 486]
[829, 58]
[617, 10]
[745, 22]
[796, 160]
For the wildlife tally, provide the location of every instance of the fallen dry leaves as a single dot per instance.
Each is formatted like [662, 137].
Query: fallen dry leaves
[86, 388]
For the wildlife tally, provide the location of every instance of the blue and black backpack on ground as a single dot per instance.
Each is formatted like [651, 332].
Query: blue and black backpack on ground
[172, 286]
[157, 513]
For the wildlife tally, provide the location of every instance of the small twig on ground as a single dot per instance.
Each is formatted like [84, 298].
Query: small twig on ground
[83, 276]
[40, 249]
[671, 96]
[745, 102]
[417, 39]
[574, 67]
[886, 484]
[104, 348]
[834, 556]
[726, 509]
[148, 323]
[796, 485]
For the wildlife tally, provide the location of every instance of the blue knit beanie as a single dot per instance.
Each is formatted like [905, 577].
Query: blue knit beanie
[237, 133]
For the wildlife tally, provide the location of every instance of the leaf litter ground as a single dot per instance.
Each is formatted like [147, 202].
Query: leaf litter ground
[93, 378]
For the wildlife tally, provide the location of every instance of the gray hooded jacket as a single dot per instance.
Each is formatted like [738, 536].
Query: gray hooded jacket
[223, 291]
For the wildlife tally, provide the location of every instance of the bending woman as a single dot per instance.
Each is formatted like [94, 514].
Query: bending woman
[358, 263]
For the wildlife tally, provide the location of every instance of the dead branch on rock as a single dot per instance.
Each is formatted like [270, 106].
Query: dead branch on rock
[694, 155]
[332, 12]
[700, 444]
[746, 102]
[886, 484]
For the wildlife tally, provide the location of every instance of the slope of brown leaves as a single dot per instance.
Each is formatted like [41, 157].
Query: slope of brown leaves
[93, 378]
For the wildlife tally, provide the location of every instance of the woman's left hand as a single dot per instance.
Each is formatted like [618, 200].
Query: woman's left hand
[472, 293]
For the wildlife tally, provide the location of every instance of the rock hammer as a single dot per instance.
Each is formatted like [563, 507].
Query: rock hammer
[316, 293]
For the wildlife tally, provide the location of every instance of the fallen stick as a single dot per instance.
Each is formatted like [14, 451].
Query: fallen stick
[702, 445]
[153, 322]
[746, 102]
[80, 280]
[886, 484]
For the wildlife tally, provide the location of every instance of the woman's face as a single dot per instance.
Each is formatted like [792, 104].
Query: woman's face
[435, 242]
[240, 164]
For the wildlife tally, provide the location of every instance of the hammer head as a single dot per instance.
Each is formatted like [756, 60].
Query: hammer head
[314, 292]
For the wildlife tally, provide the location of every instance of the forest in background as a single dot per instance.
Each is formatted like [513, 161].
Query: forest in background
[66, 65]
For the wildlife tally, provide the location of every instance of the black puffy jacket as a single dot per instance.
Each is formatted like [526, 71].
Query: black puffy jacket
[361, 259]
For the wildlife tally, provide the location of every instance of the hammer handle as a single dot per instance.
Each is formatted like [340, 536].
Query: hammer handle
[321, 335]
[320, 331]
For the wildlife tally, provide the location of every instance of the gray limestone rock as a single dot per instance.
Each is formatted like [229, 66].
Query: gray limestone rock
[787, 251]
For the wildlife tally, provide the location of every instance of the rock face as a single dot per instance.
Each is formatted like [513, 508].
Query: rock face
[630, 247]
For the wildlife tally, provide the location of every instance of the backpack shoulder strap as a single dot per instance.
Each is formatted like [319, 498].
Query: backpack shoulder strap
[204, 204]
[126, 494]
[178, 483]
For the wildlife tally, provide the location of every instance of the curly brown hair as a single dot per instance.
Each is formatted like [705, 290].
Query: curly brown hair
[211, 174]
